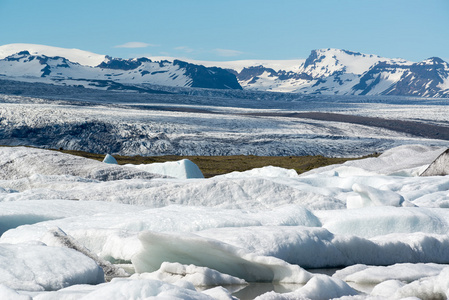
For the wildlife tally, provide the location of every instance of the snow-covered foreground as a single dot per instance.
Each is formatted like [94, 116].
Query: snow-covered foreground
[62, 217]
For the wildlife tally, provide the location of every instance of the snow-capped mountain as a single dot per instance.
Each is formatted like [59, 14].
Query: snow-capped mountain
[325, 71]
[334, 71]
[74, 55]
[110, 73]
[429, 78]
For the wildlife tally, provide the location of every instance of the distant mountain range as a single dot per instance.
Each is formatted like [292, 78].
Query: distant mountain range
[325, 71]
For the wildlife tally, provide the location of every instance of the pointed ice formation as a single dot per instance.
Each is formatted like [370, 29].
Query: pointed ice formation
[439, 167]
[109, 159]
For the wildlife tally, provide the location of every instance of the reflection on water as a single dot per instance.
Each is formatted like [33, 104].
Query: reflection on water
[255, 289]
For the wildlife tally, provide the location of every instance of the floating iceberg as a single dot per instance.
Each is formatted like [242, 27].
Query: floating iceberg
[191, 249]
[198, 276]
[109, 159]
[182, 169]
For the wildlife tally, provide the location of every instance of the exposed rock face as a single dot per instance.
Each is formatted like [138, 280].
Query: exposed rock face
[213, 77]
[439, 167]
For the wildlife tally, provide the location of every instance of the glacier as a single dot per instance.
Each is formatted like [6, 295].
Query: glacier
[219, 124]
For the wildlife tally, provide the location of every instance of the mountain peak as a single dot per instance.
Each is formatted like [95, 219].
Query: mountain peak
[432, 61]
[119, 64]
[329, 61]
[74, 55]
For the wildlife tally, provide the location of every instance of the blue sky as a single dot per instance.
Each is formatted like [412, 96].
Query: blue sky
[231, 29]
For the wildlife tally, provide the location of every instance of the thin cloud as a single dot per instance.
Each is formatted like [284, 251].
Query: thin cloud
[135, 45]
[227, 52]
[185, 49]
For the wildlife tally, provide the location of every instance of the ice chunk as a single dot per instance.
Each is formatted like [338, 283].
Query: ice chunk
[268, 171]
[182, 169]
[121, 288]
[219, 293]
[38, 267]
[16, 213]
[143, 289]
[320, 287]
[387, 288]
[376, 221]
[60, 238]
[369, 196]
[325, 287]
[435, 287]
[309, 247]
[69, 293]
[376, 274]
[109, 159]
[193, 249]
[198, 276]
[394, 248]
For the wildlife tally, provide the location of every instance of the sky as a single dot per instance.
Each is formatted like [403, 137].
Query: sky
[222, 30]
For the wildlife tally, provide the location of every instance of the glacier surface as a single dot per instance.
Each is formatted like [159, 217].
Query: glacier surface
[139, 124]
